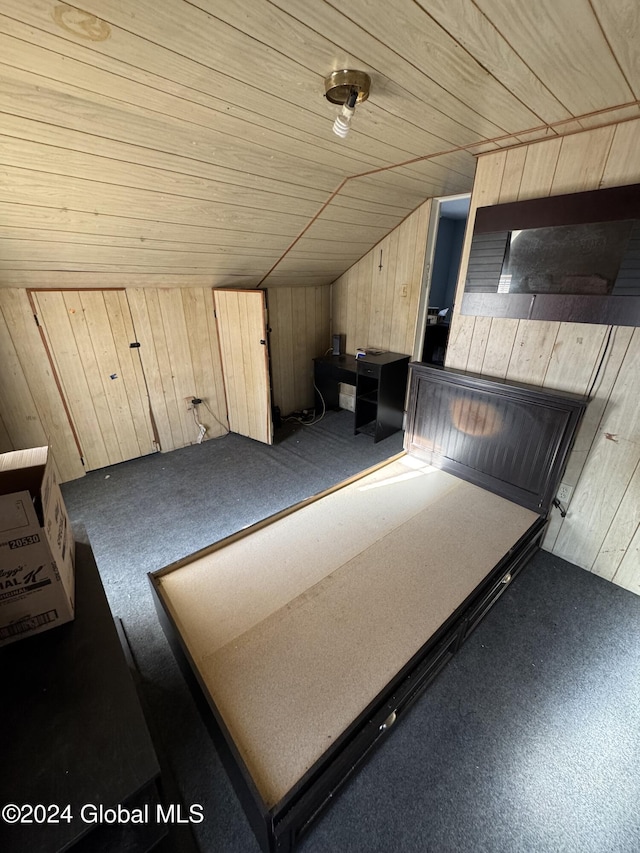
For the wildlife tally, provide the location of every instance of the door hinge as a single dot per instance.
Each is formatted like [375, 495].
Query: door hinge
[35, 317]
[134, 345]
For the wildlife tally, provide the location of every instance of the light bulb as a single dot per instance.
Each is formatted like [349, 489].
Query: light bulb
[342, 123]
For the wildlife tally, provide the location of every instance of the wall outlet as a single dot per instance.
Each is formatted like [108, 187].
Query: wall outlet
[564, 493]
[403, 290]
[188, 403]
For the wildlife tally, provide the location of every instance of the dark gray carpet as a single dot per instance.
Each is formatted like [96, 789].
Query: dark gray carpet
[528, 741]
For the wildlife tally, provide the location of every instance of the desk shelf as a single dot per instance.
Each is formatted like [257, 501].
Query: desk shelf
[381, 382]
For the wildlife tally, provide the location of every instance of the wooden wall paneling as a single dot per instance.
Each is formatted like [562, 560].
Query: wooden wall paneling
[600, 527]
[627, 572]
[574, 366]
[364, 296]
[407, 280]
[486, 190]
[300, 346]
[204, 348]
[414, 245]
[349, 284]
[607, 367]
[180, 358]
[617, 559]
[539, 169]
[300, 323]
[608, 470]
[575, 356]
[19, 412]
[42, 388]
[531, 351]
[5, 442]
[459, 343]
[315, 340]
[623, 162]
[107, 362]
[138, 402]
[499, 346]
[229, 332]
[383, 287]
[99, 448]
[512, 175]
[368, 304]
[241, 328]
[149, 329]
[582, 160]
[478, 344]
[181, 375]
[279, 300]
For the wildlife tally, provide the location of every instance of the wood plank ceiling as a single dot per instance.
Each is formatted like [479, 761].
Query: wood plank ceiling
[189, 141]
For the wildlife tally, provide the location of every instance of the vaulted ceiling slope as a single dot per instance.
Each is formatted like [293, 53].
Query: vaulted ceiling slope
[189, 141]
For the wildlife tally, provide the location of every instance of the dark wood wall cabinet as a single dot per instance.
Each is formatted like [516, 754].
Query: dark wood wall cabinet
[573, 258]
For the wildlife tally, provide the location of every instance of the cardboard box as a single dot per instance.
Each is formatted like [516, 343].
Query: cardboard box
[37, 549]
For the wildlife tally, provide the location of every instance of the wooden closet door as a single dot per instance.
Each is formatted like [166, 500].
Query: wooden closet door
[88, 334]
[242, 330]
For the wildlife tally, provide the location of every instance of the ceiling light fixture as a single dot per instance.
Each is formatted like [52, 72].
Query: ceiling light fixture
[346, 88]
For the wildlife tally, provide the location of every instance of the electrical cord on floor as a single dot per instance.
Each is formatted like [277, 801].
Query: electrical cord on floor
[196, 401]
[225, 428]
[202, 430]
[314, 420]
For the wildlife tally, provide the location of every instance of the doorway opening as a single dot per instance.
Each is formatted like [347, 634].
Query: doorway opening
[444, 252]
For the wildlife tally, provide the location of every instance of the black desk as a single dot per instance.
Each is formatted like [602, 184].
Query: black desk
[74, 731]
[381, 383]
[328, 372]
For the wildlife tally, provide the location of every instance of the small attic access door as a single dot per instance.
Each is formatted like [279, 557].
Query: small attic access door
[88, 335]
[242, 331]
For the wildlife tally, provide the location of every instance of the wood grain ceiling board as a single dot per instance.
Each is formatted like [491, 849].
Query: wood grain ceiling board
[620, 23]
[564, 45]
[152, 140]
[405, 89]
[266, 153]
[267, 130]
[55, 223]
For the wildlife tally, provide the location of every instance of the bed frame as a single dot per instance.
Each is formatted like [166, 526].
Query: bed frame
[509, 440]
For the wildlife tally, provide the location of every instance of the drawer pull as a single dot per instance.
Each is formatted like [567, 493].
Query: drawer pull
[506, 578]
[388, 722]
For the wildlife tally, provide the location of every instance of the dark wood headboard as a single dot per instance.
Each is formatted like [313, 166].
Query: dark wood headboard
[510, 438]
